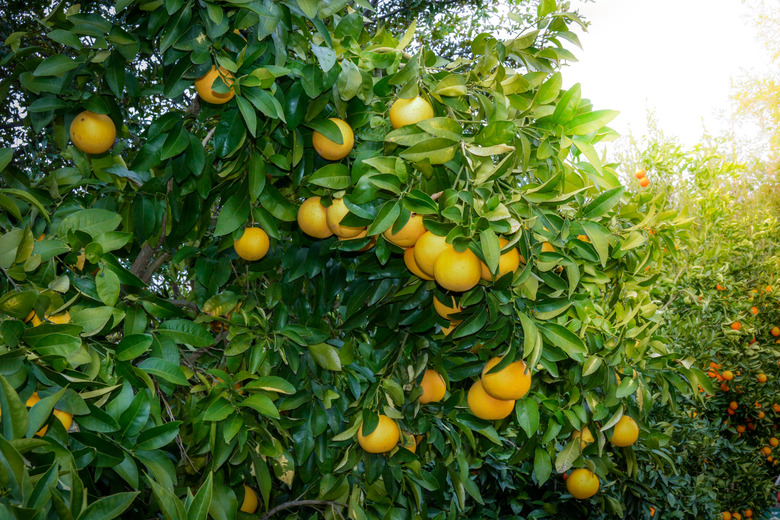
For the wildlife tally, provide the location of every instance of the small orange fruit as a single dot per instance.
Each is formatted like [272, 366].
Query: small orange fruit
[736, 325]
[486, 407]
[762, 378]
[644, 182]
[767, 450]
[625, 433]
[407, 235]
[511, 382]
[252, 245]
[312, 218]
[733, 405]
[582, 483]
[728, 375]
[331, 150]
[754, 310]
[433, 387]
[411, 264]
[384, 437]
[640, 174]
[773, 442]
[775, 331]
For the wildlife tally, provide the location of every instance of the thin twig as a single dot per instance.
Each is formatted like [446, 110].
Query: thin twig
[173, 419]
[209, 136]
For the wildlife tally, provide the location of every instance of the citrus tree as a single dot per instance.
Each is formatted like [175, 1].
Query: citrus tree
[332, 277]
[719, 289]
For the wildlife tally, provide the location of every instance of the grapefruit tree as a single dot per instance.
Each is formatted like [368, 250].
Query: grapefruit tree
[224, 301]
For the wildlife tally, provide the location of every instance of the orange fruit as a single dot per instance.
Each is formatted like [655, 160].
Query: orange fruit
[92, 133]
[725, 515]
[728, 375]
[762, 378]
[510, 383]
[456, 271]
[486, 407]
[640, 174]
[427, 249]
[445, 311]
[775, 331]
[733, 405]
[719, 287]
[584, 436]
[547, 247]
[767, 450]
[625, 433]
[773, 442]
[250, 503]
[741, 429]
[508, 262]
[748, 513]
[252, 245]
[433, 387]
[754, 310]
[384, 437]
[736, 325]
[407, 235]
[768, 288]
[761, 415]
[204, 85]
[334, 214]
[776, 407]
[724, 387]
[411, 264]
[312, 218]
[644, 182]
[582, 483]
[410, 111]
[736, 516]
[448, 330]
[331, 150]
[584, 238]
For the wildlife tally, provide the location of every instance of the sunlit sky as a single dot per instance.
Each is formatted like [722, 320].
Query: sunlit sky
[676, 57]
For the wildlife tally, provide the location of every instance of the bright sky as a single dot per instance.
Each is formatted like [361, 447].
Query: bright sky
[676, 57]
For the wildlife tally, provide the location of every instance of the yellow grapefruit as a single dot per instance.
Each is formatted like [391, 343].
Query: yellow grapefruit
[92, 133]
[331, 150]
[511, 382]
[486, 407]
[457, 271]
[205, 83]
[312, 218]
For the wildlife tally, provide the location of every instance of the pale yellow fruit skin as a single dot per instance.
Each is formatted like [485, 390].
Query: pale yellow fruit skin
[547, 247]
[65, 418]
[444, 311]
[204, 86]
[585, 435]
[512, 382]
[92, 133]
[582, 483]
[250, 500]
[427, 249]
[433, 387]
[625, 433]
[508, 262]
[383, 439]
[457, 271]
[486, 407]
[411, 264]
[410, 111]
[253, 244]
[330, 150]
[312, 218]
[337, 211]
[408, 235]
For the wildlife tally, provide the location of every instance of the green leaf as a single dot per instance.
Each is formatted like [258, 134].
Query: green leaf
[325, 56]
[107, 283]
[6, 155]
[542, 465]
[599, 236]
[199, 508]
[91, 319]
[262, 404]
[590, 122]
[271, 384]
[387, 214]
[627, 387]
[55, 65]
[436, 150]
[248, 113]
[326, 356]
[187, 332]
[9, 245]
[603, 203]
[157, 437]
[442, 127]
[564, 339]
[163, 369]
[109, 507]
[567, 456]
[90, 221]
[234, 214]
[491, 248]
[527, 412]
[133, 346]
[14, 418]
[334, 176]
[230, 133]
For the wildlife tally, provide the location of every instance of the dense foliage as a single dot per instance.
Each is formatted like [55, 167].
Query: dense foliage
[190, 374]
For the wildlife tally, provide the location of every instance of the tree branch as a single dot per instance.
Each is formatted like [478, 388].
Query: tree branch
[209, 136]
[301, 503]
